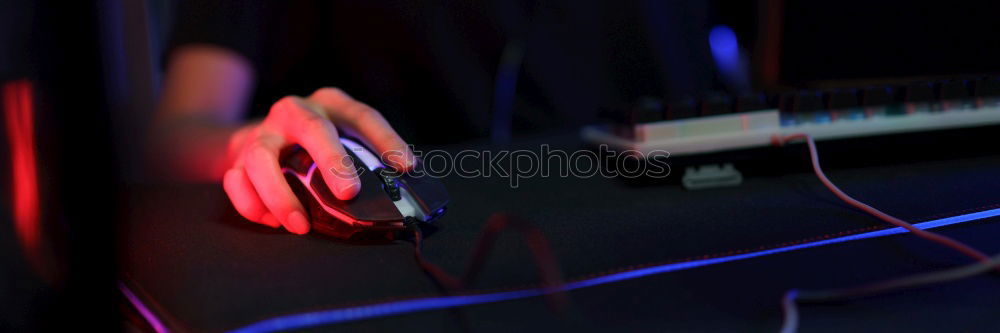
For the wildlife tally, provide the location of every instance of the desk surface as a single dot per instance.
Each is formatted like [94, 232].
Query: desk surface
[201, 268]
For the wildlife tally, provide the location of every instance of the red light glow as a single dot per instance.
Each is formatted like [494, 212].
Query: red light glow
[19, 116]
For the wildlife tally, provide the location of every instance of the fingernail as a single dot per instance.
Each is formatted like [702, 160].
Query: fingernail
[408, 159]
[404, 161]
[297, 223]
[270, 220]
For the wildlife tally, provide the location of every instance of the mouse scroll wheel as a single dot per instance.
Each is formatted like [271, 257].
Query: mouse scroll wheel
[389, 184]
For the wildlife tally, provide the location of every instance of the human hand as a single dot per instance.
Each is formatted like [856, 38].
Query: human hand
[255, 183]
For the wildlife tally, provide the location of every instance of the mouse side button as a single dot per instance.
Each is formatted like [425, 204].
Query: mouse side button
[389, 183]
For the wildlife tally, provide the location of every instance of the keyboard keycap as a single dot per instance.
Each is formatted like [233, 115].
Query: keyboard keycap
[986, 87]
[802, 101]
[681, 108]
[716, 103]
[875, 96]
[917, 92]
[842, 99]
[647, 109]
[952, 90]
[751, 102]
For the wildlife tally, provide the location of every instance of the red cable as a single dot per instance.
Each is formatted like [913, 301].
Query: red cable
[545, 262]
[440, 275]
[934, 237]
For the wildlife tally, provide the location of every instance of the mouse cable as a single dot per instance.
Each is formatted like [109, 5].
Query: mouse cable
[791, 317]
[545, 262]
[791, 313]
[931, 236]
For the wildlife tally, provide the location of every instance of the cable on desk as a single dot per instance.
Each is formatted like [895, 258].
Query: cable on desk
[381, 310]
[413, 305]
[791, 318]
[548, 271]
[931, 236]
[917, 280]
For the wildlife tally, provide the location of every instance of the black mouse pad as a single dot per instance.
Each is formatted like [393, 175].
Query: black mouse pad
[202, 268]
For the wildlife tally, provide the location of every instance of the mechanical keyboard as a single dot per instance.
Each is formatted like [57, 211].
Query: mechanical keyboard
[719, 123]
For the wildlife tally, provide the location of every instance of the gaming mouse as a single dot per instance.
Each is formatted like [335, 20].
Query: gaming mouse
[386, 202]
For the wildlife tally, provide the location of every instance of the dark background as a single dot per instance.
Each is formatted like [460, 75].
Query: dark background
[858, 40]
[96, 66]
[56, 46]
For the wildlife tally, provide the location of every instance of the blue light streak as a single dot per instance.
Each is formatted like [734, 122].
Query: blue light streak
[334, 316]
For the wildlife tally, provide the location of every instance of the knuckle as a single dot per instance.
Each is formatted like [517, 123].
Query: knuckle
[333, 95]
[257, 149]
[331, 92]
[288, 99]
[360, 114]
[283, 106]
[311, 114]
[314, 123]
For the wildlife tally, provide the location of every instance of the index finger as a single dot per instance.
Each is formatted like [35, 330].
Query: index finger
[367, 124]
[304, 125]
